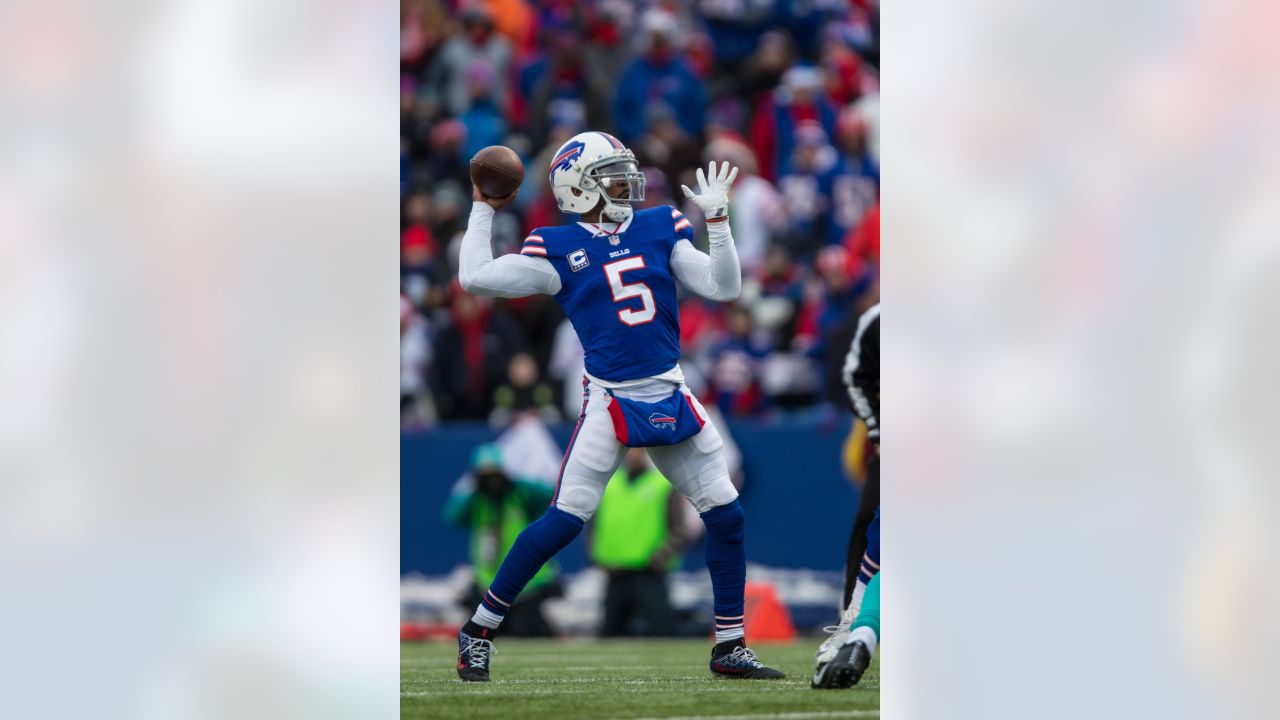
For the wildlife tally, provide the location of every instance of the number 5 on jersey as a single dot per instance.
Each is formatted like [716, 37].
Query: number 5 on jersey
[625, 291]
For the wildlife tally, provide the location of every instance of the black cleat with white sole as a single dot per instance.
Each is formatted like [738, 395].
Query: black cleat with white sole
[845, 669]
[734, 660]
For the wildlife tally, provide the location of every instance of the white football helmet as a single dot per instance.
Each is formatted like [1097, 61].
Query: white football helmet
[587, 167]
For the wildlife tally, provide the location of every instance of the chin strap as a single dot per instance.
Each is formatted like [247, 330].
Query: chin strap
[616, 212]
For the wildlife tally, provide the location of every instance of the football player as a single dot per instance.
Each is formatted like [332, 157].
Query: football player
[861, 375]
[853, 656]
[614, 273]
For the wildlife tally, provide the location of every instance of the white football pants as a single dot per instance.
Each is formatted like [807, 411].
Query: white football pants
[695, 467]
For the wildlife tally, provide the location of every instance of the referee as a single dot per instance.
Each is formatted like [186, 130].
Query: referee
[862, 378]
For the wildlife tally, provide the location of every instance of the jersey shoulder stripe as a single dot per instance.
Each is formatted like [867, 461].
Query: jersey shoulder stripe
[535, 244]
[680, 225]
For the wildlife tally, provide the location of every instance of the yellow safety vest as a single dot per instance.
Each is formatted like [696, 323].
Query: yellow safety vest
[631, 523]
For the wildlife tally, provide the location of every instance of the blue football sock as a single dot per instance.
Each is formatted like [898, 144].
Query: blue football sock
[727, 561]
[536, 544]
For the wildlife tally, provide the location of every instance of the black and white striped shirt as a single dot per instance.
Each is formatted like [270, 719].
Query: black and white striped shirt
[862, 371]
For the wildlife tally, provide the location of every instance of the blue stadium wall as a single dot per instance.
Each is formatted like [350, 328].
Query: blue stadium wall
[799, 506]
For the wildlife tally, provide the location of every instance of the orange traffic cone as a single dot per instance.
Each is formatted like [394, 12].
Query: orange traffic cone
[767, 618]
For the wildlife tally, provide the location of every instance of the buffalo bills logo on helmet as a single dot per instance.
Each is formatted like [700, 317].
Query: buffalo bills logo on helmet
[662, 422]
[565, 157]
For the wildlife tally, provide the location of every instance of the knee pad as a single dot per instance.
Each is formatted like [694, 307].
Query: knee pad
[719, 492]
[578, 497]
[569, 509]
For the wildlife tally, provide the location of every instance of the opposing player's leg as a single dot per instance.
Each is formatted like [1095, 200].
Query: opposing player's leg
[855, 556]
[862, 571]
[591, 459]
[697, 468]
[853, 657]
[866, 632]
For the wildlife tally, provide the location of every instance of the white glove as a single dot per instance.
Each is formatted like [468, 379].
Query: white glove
[713, 196]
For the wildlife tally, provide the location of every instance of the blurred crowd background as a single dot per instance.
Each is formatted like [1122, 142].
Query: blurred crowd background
[788, 91]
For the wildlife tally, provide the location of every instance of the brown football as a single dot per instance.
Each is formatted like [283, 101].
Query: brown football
[497, 171]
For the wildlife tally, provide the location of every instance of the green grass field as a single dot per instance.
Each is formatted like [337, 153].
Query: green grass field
[599, 679]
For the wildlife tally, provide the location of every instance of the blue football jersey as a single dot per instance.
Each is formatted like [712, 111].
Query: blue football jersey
[618, 291]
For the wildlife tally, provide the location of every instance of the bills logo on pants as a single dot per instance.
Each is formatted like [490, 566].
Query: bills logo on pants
[662, 422]
[695, 467]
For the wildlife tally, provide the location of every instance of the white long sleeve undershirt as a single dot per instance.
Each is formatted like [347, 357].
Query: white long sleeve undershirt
[715, 276]
[510, 276]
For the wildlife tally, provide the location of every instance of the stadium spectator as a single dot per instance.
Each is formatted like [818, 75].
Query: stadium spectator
[421, 29]
[636, 538]
[863, 241]
[843, 72]
[735, 28]
[445, 162]
[494, 508]
[861, 168]
[799, 98]
[567, 368]
[781, 278]
[700, 53]
[417, 245]
[524, 392]
[416, 407]
[660, 73]
[512, 18]
[763, 70]
[759, 214]
[447, 219]
[735, 366]
[418, 251]
[867, 109]
[607, 28]
[701, 324]
[484, 122]
[470, 356]
[808, 189]
[478, 41]
[564, 91]
[538, 317]
[665, 144]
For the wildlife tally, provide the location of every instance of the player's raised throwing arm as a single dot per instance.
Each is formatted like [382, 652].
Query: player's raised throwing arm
[508, 276]
[716, 276]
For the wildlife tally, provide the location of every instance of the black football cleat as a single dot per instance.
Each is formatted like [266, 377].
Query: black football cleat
[845, 670]
[473, 657]
[740, 662]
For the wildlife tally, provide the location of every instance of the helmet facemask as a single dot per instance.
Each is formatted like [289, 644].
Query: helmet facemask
[619, 182]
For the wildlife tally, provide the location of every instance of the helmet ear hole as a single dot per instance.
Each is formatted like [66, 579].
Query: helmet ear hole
[576, 192]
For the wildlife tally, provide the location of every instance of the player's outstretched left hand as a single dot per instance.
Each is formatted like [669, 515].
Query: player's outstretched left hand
[713, 195]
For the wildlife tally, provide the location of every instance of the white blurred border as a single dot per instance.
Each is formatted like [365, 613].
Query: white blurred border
[1080, 259]
[198, 368]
